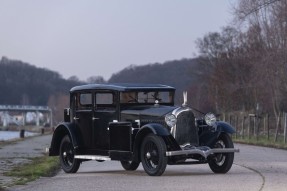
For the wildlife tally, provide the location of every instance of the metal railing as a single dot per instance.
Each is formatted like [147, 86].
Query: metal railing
[23, 108]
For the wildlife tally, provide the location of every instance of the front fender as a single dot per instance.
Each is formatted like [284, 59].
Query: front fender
[209, 138]
[154, 128]
[224, 127]
[61, 130]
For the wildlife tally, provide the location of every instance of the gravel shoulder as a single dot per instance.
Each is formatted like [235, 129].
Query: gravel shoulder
[21, 152]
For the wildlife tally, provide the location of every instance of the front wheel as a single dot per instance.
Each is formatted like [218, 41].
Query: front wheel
[130, 165]
[222, 162]
[67, 156]
[153, 151]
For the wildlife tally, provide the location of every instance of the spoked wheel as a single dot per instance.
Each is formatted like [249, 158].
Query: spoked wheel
[153, 157]
[130, 165]
[222, 162]
[67, 156]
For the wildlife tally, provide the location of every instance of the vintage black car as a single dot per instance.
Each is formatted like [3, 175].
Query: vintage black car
[135, 123]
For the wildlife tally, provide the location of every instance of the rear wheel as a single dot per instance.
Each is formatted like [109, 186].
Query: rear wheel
[67, 156]
[130, 165]
[153, 151]
[222, 162]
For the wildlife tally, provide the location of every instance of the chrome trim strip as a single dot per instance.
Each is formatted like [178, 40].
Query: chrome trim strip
[203, 153]
[92, 157]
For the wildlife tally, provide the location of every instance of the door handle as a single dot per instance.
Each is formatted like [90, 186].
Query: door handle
[76, 118]
[94, 118]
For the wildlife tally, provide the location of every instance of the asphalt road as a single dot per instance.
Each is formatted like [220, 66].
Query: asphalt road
[255, 168]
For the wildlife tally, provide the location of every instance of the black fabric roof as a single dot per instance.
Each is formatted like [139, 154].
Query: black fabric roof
[122, 87]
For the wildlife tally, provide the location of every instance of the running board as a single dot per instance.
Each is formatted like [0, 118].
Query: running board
[93, 157]
[204, 153]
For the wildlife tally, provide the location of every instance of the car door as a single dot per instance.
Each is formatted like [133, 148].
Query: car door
[83, 117]
[105, 111]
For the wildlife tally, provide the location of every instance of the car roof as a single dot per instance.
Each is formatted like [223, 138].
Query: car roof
[122, 87]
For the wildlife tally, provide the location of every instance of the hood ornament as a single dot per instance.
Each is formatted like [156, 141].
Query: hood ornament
[184, 99]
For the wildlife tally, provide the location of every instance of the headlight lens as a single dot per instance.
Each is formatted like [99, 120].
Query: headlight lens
[170, 120]
[210, 119]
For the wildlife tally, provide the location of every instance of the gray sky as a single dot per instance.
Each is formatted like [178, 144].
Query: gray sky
[100, 37]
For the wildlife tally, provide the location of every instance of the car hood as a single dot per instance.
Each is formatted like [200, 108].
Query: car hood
[148, 111]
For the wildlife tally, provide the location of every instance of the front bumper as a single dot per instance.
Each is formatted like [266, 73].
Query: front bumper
[203, 151]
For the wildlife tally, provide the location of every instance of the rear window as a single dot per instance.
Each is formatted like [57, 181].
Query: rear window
[85, 101]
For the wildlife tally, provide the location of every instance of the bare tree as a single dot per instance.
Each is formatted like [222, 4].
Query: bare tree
[229, 84]
[267, 24]
[96, 80]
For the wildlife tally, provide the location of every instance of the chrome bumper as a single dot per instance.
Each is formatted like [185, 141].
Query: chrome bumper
[205, 153]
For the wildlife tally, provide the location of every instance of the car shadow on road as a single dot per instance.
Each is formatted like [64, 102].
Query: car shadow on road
[142, 173]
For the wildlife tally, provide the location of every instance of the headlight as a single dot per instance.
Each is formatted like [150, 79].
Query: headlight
[170, 120]
[210, 119]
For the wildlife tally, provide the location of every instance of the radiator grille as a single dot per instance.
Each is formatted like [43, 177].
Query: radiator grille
[186, 131]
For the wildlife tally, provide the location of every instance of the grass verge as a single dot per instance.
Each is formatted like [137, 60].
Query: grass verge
[39, 167]
[262, 141]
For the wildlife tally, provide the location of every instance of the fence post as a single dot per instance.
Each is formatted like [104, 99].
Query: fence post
[22, 133]
[264, 125]
[243, 127]
[257, 123]
[236, 124]
[277, 127]
[248, 131]
[285, 127]
[267, 123]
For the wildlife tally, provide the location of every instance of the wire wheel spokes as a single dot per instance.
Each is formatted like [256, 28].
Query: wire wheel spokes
[222, 162]
[68, 154]
[220, 158]
[151, 155]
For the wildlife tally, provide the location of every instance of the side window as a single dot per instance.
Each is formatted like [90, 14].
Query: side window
[105, 101]
[104, 98]
[129, 97]
[85, 101]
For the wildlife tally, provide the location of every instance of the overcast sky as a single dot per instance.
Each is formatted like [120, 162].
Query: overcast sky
[100, 37]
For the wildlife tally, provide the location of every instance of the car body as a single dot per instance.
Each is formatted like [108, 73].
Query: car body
[138, 123]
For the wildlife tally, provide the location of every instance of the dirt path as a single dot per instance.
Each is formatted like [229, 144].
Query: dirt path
[21, 152]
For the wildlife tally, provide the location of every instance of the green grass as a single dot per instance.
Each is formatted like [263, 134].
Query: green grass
[262, 141]
[39, 167]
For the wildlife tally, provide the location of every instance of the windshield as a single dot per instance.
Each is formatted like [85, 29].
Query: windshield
[144, 97]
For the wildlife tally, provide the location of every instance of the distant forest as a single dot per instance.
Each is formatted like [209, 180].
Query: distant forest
[242, 68]
[25, 84]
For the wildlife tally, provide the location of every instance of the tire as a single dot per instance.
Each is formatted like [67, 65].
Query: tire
[67, 156]
[222, 163]
[130, 165]
[153, 151]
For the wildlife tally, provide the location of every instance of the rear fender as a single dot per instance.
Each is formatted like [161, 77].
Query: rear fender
[62, 130]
